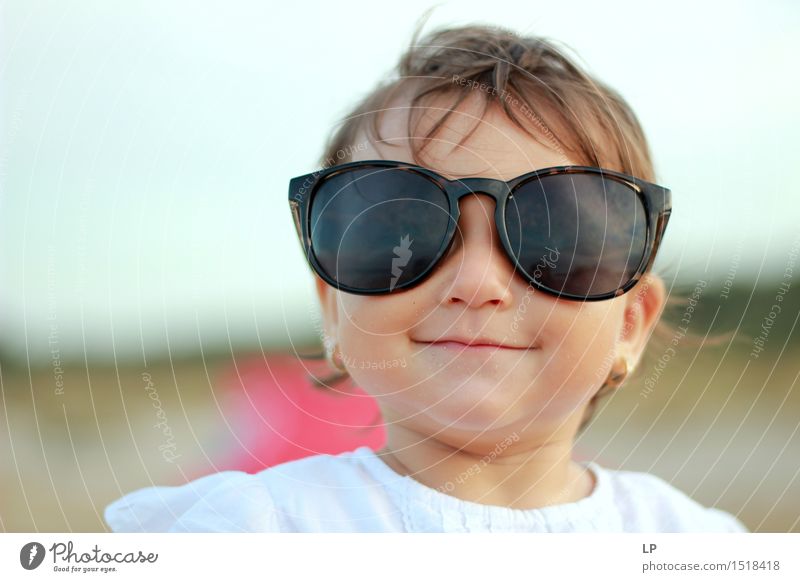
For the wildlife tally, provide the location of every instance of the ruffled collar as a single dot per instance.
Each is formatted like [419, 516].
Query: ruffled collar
[427, 509]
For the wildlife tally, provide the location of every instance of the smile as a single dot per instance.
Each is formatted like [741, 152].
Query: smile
[462, 345]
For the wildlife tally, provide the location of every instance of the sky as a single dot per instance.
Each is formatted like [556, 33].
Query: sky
[146, 150]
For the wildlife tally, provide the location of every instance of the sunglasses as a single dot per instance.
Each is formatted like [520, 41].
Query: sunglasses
[575, 232]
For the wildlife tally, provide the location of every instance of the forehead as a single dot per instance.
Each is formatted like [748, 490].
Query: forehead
[496, 148]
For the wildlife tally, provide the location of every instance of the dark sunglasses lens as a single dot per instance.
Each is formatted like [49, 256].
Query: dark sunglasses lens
[582, 234]
[374, 228]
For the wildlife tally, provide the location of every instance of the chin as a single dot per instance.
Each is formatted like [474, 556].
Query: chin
[467, 416]
[472, 405]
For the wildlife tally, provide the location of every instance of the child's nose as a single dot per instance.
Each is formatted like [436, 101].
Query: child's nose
[477, 268]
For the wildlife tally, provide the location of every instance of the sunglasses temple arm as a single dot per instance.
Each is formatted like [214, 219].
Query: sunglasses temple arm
[296, 198]
[296, 217]
[661, 227]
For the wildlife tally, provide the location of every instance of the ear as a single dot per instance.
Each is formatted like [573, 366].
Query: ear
[643, 306]
[330, 315]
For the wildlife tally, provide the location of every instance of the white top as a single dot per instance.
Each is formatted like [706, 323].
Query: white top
[358, 492]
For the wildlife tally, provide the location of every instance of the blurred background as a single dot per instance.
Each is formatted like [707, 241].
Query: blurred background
[155, 298]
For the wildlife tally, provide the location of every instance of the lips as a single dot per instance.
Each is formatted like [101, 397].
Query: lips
[471, 344]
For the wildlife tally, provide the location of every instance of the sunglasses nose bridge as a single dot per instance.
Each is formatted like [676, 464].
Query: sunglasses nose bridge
[494, 188]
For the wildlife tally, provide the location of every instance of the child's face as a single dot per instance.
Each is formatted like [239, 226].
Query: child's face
[559, 352]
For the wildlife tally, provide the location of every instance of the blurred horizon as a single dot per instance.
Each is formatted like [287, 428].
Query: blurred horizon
[737, 308]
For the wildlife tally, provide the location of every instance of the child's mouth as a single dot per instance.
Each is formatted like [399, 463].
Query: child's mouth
[470, 346]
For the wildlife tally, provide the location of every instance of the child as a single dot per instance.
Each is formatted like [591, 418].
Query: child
[511, 298]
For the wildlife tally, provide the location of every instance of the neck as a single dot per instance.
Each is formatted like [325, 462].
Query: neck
[513, 470]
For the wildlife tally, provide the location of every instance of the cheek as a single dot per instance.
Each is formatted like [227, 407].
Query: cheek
[580, 349]
[373, 337]
[390, 316]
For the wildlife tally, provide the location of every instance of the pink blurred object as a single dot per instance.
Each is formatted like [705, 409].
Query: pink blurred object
[275, 414]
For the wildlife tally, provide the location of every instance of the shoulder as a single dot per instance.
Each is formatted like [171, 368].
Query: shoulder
[648, 503]
[231, 501]
[226, 501]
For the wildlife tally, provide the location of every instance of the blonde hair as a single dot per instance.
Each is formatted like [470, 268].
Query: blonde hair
[528, 76]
